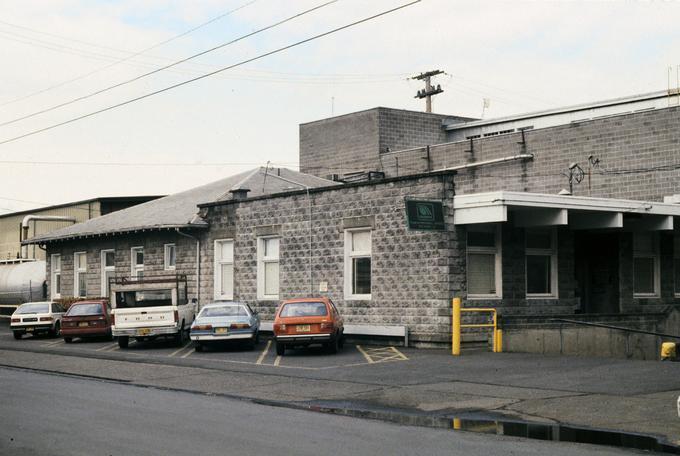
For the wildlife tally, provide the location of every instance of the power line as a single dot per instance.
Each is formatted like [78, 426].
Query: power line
[191, 30]
[212, 73]
[157, 70]
[84, 163]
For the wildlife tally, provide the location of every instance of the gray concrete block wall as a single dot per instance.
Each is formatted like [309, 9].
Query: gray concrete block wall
[154, 259]
[410, 269]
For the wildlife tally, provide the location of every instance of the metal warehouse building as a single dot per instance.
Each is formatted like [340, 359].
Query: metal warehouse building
[565, 213]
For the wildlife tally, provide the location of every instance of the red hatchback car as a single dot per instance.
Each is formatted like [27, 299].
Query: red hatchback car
[86, 319]
[307, 321]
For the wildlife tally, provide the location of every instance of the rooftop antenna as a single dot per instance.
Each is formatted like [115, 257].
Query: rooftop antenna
[486, 103]
[429, 91]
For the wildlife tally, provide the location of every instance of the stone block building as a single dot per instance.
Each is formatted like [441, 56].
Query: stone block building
[569, 212]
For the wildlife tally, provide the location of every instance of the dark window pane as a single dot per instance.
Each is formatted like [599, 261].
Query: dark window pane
[481, 239]
[82, 285]
[57, 284]
[677, 275]
[361, 273]
[538, 274]
[481, 273]
[109, 259]
[643, 275]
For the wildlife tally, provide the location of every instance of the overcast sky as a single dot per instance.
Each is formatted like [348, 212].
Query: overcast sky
[523, 56]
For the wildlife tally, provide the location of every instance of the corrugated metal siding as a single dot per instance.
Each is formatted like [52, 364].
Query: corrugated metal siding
[9, 227]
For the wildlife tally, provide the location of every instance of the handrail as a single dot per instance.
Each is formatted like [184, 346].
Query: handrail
[619, 328]
[497, 344]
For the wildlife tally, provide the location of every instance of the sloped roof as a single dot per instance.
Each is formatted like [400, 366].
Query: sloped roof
[180, 210]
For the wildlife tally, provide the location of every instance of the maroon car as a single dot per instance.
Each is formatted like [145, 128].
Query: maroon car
[86, 319]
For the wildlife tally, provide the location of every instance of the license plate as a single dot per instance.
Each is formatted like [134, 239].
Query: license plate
[221, 330]
[82, 323]
[303, 328]
[143, 332]
[29, 329]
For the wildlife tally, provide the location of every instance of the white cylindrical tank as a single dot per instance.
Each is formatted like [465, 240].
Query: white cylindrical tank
[22, 282]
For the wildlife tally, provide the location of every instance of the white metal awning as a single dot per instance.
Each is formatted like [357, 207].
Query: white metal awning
[577, 212]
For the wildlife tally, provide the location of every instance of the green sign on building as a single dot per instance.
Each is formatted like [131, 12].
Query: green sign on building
[425, 215]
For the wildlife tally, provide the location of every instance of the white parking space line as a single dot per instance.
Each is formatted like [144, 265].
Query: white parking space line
[264, 352]
[179, 350]
[54, 343]
[191, 350]
[277, 361]
[106, 347]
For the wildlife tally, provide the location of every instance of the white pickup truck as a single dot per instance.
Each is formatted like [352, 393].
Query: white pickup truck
[151, 307]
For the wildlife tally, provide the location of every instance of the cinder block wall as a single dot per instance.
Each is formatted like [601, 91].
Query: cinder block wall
[154, 254]
[411, 271]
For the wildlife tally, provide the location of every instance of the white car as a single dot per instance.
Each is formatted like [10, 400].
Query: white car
[37, 318]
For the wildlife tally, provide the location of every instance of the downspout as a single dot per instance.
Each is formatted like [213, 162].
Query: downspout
[23, 232]
[198, 263]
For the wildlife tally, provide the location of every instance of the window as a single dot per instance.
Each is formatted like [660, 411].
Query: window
[80, 272]
[484, 262]
[676, 264]
[108, 270]
[645, 265]
[541, 263]
[358, 264]
[224, 269]
[268, 268]
[170, 258]
[137, 262]
[55, 265]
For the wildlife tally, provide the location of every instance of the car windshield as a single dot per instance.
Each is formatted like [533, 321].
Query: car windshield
[78, 310]
[146, 298]
[304, 309]
[224, 311]
[34, 308]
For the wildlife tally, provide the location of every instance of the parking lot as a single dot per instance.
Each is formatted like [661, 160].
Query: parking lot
[264, 354]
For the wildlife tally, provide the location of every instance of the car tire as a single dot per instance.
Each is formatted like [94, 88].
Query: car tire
[280, 349]
[56, 332]
[180, 337]
[18, 335]
[123, 341]
[334, 344]
[257, 337]
[198, 347]
[341, 342]
[68, 340]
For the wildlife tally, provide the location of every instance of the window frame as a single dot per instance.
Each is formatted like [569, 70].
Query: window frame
[166, 257]
[498, 272]
[261, 265]
[554, 274]
[134, 267]
[104, 269]
[77, 271]
[349, 256]
[55, 272]
[656, 258]
[217, 270]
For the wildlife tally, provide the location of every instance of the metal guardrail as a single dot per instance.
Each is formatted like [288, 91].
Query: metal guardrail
[456, 326]
[619, 328]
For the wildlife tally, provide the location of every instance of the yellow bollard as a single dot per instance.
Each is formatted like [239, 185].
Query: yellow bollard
[455, 327]
[499, 341]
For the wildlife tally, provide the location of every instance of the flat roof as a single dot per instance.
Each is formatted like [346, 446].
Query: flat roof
[101, 199]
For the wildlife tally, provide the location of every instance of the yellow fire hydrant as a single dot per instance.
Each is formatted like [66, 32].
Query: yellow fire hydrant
[668, 351]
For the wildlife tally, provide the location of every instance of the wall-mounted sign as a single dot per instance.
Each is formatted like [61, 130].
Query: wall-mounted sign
[425, 215]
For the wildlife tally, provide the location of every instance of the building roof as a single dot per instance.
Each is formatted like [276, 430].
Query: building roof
[180, 210]
[101, 199]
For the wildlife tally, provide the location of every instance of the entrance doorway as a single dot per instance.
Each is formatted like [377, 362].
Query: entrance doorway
[597, 271]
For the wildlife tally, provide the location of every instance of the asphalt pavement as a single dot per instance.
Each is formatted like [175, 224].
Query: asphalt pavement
[47, 414]
[382, 381]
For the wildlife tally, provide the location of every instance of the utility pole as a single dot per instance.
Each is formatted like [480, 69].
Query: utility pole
[429, 91]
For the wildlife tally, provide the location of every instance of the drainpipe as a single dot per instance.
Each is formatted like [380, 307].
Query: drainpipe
[198, 264]
[23, 232]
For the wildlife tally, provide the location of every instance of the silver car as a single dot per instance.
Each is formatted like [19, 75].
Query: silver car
[37, 318]
[223, 321]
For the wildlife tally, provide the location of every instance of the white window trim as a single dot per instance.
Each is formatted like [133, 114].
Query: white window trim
[498, 251]
[261, 260]
[656, 257]
[54, 273]
[76, 274]
[349, 296]
[105, 269]
[166, 257]
[554, 281]
[134, 269]
[218, 271]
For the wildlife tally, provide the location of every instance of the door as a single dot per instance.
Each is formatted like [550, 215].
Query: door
[597, 271]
